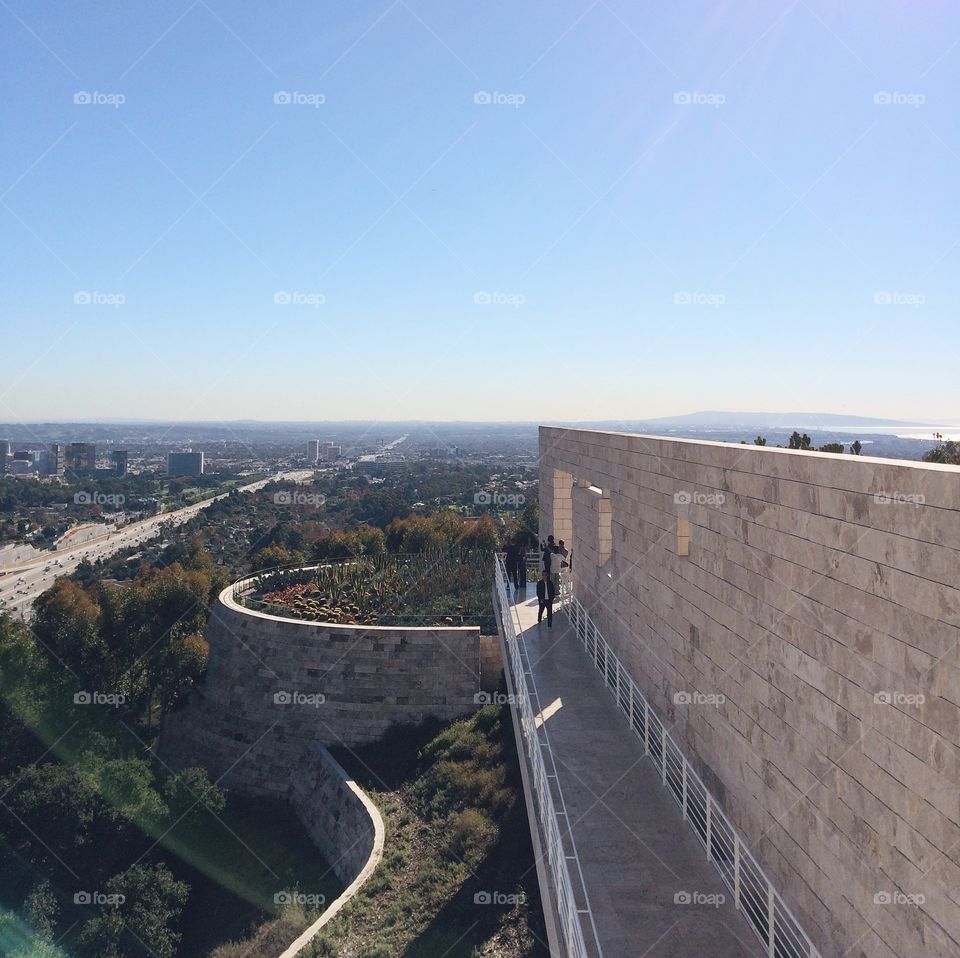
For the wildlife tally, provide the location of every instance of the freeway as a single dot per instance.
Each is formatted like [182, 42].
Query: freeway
[20, 586]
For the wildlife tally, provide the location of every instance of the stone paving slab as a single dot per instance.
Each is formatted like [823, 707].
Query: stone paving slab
[636, 852]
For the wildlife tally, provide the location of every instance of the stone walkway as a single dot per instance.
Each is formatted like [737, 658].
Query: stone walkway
[651, 890]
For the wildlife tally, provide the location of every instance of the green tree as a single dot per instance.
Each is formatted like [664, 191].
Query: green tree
[481, 536]
[143, 923]
[946, 451]
[797, 441]
[67, 625]
[40, 911]
[856, 447]
[831, 447]
[760, 441]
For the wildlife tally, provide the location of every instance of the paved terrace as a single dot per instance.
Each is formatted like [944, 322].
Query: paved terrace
[635, 851]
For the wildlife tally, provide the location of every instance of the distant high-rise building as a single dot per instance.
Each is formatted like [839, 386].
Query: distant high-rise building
[119, 457]
[4, 455]
[81, 458]
[313, 450]
[184, 463]
[330, 452]
[23, 455]
[56, 460]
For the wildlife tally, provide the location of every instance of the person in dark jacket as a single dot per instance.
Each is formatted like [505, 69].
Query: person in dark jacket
[546, 593]
[513, 564]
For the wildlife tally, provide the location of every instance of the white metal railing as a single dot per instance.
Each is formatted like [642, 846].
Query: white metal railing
[540, 756]
[753, 893]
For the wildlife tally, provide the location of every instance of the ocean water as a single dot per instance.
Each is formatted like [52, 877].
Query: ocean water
[904, 432]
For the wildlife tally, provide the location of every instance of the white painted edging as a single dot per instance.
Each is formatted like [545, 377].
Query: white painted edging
[371, 863]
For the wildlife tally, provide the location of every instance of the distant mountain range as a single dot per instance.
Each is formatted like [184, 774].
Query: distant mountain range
[775, 420]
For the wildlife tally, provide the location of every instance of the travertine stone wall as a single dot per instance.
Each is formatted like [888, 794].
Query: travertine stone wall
[819, 605]
[491, 663]
[333, 813]
[275, 686]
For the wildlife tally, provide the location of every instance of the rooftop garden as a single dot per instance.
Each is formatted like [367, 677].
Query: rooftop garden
[441, 588]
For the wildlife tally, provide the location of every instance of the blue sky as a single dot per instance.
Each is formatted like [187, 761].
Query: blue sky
[661, 207]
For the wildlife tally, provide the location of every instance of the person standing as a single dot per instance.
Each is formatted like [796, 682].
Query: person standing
[512, 563]
[522, 563]
[546, 593]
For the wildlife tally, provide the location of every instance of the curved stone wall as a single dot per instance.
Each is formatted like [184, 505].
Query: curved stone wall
[276, 685]
[343, 823]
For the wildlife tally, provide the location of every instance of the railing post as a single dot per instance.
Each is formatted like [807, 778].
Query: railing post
[630, 704]
[736, 870]
[709, 828]
[771, 922]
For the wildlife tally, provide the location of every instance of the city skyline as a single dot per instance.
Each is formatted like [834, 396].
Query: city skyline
[415, 213]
